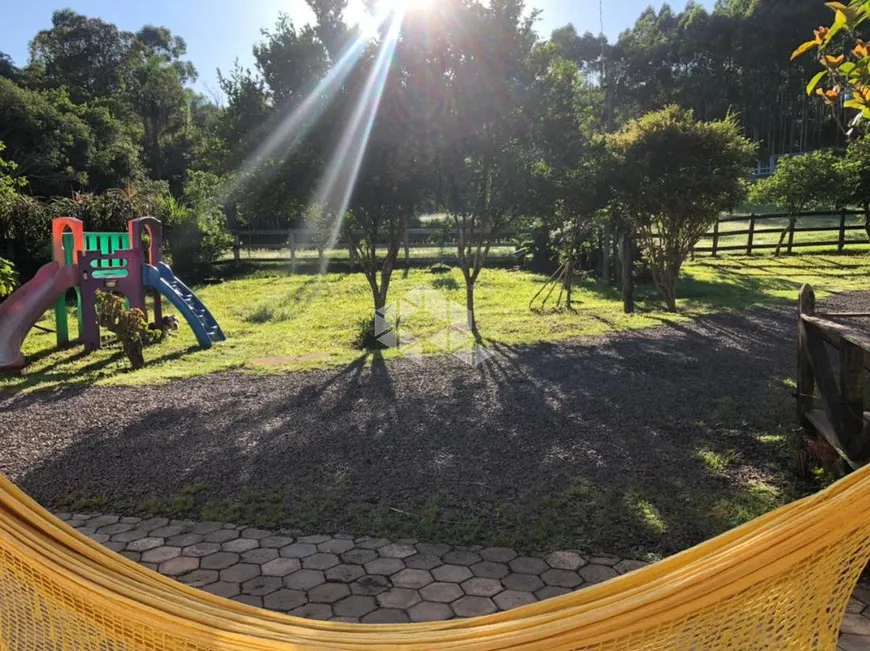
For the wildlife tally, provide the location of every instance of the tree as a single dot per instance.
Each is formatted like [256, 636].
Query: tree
[62, 147]
[799, 183]
[483, 154]
[854, 177]
[570, 172]
[844, 80]
[676, 175]
[9, 187]
[88, 56]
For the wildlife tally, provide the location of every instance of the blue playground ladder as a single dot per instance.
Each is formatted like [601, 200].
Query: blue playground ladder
[201, 321]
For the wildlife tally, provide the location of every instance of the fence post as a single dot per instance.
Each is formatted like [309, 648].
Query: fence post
[292, 240]
[407, 250]
[852, 394]
[715, 238]
[805, 382]
[841, 242]
[237, 248]
[352, 252]
[751, 236]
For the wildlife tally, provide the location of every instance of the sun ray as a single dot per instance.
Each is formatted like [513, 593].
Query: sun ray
[338, 184]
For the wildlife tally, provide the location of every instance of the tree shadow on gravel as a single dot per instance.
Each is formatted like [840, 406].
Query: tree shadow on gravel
[640, 443]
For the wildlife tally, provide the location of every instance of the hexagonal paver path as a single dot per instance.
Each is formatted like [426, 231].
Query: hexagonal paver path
[367, 579]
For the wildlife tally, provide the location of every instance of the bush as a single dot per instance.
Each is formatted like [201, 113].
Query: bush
[537, 253]
[367, 338]
[129, 325]
[196, 231]
[8, 278]
[25, 233]
[111, 210]
[440, 268]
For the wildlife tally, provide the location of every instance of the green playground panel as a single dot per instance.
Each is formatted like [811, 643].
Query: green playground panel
[105, 243]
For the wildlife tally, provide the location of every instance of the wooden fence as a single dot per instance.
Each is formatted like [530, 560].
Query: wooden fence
[757, 227]
[841, 420]
[295, 240]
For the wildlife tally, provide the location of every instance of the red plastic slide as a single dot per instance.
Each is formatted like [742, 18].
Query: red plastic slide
[20, 311]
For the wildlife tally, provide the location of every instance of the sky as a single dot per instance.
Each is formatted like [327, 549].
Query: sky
[219, 31]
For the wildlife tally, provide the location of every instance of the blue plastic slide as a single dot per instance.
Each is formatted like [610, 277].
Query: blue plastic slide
[201, 321]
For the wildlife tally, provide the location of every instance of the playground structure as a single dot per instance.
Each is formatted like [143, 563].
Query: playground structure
[127, 263]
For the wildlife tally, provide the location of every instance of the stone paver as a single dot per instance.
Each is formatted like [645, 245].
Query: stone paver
[240, 572]
[262, 585]
[386, 616]
[561, 578]
[413, 579]
[178, 566]
[565, 561]
[523, 582]
[160, 554]
[490, 570]
[513, 599]
[304, 579]
[240, 545]
[474, 606]
[313, 611]
[298, 550]
[219, 561]
[328, 593]
[223, 589]
[385, 566]
[144, 544]
[320, 561]
[221, 536]
[428, 611]
[259, 556]
[441, 592]
[345, 573]
[370, 580]
[201, 549]
[200, 578]
[281, 566]
[399, 598]
[284, 600]
[451, 573]
[596, 573]
[355, 606]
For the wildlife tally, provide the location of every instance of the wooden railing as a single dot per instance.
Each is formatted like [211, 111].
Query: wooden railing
[841, 420]
[295, 240]
[751, 246]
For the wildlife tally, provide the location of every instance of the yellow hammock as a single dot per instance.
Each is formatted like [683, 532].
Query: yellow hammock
[779, 582]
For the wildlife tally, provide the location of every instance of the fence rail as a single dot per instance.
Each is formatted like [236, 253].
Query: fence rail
[840, 227]
[300, 239]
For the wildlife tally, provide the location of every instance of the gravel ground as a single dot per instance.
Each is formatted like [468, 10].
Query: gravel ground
[595, 429]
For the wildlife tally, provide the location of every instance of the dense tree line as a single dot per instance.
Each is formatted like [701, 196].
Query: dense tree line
[461, 108]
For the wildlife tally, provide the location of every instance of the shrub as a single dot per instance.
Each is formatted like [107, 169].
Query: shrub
[196, 231]
[25, 233]
[129, 325]
[8, 278]
[373, 332]
[440, 268]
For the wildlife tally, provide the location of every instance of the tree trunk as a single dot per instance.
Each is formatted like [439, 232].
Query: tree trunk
[568, 280]
[469, 304]
[792, 221]
[867, 219]
[627, 273]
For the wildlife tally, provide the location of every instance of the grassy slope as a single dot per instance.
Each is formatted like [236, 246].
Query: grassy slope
[280, 322]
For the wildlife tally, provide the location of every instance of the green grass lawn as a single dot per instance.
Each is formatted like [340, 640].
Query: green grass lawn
[276, 322]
